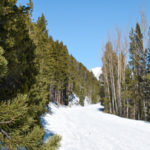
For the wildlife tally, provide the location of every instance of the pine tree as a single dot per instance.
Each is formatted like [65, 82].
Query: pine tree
[147, 87]
[39, 93]
[19, 50]
[19, 126]
[137, 64]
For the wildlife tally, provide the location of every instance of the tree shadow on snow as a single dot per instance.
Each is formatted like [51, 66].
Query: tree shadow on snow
[47, 135]
[43, 121]
[147, 122]
[100, 109]
[50, 111]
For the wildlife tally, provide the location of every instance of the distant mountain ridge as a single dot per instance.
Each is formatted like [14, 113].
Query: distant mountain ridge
[96, 71]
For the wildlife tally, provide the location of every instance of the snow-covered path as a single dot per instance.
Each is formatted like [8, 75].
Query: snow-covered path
[87, 128]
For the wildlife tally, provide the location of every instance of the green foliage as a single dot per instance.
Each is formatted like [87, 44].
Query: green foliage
[18, 50]
[137, 65]
[12, 120]
[68, 76]
[34, 69]
[52, 144]
[3, 63]
[18, 126]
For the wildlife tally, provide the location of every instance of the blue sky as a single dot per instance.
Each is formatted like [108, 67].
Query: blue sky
[83, 25]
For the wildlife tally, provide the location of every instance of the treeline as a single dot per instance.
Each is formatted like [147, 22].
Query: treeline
[34, 70]
[125, 80]
[68, 76]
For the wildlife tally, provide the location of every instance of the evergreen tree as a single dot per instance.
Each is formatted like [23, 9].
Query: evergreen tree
[19, 50]
[137, 63]
[21, 105]
[147, 86]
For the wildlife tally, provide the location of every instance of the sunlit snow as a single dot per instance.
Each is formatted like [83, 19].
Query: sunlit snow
[88, 128]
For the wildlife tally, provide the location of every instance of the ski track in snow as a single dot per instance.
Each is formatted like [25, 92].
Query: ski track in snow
[87, 128]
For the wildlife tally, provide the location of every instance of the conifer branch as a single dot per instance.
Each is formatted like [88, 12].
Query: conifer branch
[5, 133]
[6, 122]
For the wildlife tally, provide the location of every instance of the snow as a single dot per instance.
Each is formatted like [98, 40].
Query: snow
[73, 99]
[88, 128]
[87, 101]
[96, 71]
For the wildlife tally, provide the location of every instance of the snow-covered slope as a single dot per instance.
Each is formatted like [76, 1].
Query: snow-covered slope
[87, 128]
[96, 71]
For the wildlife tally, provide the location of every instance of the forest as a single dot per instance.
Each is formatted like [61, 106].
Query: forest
[34, 70]
[125, 80]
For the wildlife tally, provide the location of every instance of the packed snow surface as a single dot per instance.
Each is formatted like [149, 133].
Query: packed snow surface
[97, 71]
[88, 128]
